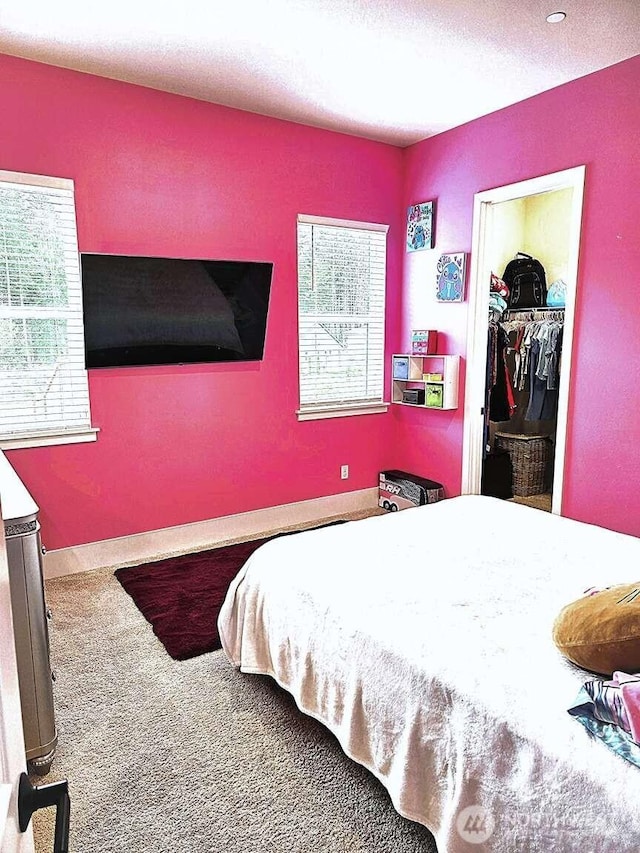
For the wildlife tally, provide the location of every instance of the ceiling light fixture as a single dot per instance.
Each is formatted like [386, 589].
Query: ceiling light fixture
[556, 17]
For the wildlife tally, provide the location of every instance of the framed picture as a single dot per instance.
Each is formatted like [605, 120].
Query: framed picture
[450, 277]
[420, 226]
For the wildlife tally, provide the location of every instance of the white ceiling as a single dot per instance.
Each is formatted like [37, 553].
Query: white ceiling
[393, 70]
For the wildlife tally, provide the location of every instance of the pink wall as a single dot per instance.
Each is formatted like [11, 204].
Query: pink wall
[160, 174]
[593, 121]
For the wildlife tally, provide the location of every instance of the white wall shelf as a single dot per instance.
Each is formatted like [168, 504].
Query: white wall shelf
[433, 379]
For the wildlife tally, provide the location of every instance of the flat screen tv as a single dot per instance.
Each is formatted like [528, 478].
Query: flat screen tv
[154, 311]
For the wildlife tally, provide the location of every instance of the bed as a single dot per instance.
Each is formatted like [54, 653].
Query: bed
[422, 640]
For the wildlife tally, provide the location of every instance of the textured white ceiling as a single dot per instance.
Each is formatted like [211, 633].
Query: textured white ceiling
[393, 70]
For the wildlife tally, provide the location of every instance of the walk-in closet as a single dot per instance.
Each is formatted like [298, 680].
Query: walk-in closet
[524, 349]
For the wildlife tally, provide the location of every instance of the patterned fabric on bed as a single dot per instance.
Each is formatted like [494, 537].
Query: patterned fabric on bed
[610, 710]
[613, 736]
[602, 700]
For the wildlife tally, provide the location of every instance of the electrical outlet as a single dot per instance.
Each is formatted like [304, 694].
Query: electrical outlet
[344, 472]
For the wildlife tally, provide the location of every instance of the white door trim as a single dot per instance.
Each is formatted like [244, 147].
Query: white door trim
[473, 429]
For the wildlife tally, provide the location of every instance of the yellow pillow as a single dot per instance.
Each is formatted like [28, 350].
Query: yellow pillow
[601, 632]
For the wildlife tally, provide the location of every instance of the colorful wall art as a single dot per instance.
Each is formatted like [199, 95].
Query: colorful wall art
[450, 278]
[420, 226]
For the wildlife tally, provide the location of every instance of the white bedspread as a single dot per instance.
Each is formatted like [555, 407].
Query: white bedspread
[422, 640]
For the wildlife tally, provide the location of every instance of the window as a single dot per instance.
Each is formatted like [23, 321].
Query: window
[44, 394]
[341, 304]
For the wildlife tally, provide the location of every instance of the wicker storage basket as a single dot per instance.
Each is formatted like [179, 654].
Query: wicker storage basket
[529, 456]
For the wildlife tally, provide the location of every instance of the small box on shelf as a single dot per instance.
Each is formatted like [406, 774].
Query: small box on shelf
[434, 395]
[415, 396]
[400, 367]
[424, 342]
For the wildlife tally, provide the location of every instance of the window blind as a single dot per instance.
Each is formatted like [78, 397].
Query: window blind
[341, 307]
[43, 381]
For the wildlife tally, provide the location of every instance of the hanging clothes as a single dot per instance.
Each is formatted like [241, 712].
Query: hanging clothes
[535, 346]
[543, 394]
[500, 403]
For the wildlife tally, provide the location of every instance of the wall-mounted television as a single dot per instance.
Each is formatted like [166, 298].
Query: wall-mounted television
[154, 311]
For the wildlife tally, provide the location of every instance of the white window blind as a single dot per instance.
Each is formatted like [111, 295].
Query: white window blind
[341, 307]
[43, 383]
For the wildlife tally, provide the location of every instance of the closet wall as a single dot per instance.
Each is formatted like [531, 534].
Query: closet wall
[539, 226]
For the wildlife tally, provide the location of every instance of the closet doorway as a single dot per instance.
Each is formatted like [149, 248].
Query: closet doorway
[542, 217]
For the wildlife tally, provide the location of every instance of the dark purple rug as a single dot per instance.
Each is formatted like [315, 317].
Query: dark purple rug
[182, 596]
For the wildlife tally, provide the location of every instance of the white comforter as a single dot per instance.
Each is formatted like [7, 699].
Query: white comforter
[422, 640]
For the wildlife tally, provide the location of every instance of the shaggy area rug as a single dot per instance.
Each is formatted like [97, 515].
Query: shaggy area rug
[181, 596]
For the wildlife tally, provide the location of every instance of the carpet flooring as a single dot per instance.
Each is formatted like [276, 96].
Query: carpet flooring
[542, 502]
[193, 757]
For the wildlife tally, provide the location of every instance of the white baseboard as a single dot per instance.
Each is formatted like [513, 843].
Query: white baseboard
[200, 535]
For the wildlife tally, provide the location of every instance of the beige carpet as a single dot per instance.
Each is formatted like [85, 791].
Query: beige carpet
[165, 756]
[542, 502]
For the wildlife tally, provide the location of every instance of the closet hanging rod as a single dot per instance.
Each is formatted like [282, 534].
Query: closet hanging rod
[528, 313]
[543, 308]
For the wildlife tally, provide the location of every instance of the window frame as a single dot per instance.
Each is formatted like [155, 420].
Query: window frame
[52, 435]
[317, 411]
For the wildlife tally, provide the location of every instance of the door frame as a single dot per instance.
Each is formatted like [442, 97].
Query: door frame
[477, 320]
